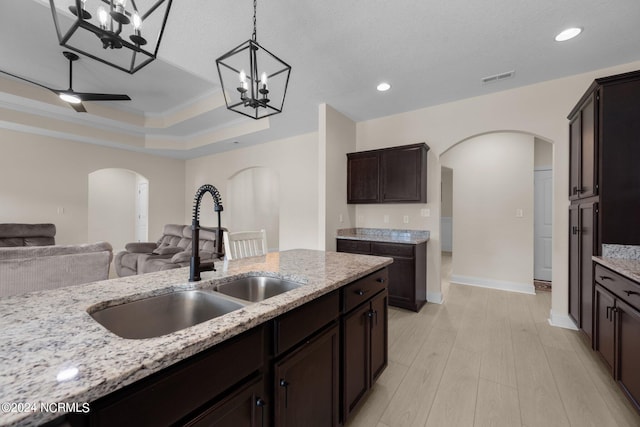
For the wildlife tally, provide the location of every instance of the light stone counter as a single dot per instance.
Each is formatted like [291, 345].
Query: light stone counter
[384, 235]
[47, 335]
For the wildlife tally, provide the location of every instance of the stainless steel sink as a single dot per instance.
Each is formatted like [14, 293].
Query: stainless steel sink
[256, 288]
[163, 314]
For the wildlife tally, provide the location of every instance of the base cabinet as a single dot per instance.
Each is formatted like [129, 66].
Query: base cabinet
[408, 273]
[243, 408]
[307, 383]
[364, 341]
[617, 328]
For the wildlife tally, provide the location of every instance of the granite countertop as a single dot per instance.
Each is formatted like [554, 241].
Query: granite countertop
[384, 235]
[46, 335]
[630, 268]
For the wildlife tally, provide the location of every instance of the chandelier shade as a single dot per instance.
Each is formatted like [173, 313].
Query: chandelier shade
[124, 34]
[254, 81]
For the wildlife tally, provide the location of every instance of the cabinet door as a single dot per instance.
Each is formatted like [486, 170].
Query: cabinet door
[362, 178]
[379, 335]
[603, 339]
[628, 346]
[574, 264]
[583, 151]
[307, 386]
[588, 164]
[402, 283]
[355, 362]
[403, 175]
[587, 233]
[244, 408]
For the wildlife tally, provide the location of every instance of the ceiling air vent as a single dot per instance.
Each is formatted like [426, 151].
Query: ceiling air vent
[498, 77]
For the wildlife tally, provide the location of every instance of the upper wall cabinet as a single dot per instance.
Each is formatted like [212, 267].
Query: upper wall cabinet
[604, 132]
[389, 175]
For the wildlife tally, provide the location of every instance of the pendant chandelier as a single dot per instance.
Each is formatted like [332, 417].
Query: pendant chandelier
[254, 81]
[123, 34]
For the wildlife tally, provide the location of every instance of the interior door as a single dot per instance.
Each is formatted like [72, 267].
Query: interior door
[543, 224]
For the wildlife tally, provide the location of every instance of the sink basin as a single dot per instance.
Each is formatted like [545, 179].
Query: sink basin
[163, 314]
[256, 288]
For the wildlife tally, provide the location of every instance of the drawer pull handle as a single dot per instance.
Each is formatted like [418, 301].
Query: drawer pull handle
[380, 280]
[261, 404]
[361, 292]
[629, 293]
[605, 278]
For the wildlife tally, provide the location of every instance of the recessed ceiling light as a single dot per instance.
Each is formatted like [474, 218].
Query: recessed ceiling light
[383, 87]
[568, 34]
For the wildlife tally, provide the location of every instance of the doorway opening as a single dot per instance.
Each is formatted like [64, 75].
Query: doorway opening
[494, 209]
[543, 215]
[118, 207]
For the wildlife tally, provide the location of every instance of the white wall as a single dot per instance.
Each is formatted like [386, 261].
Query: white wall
[543, 154]
[296, 163]
[492, 179]
[337, 137]
[446, 210]
[539, 109]
[40, 174]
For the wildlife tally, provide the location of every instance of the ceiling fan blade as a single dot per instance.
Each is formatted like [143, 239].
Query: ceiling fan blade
[102, 97]
[78, 107]
[30, 81]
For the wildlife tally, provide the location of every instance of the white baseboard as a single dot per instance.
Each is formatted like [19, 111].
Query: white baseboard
[561, 321]
[435, 297]
[523, 288]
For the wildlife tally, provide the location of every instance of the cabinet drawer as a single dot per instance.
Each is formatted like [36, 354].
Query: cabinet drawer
[392, 249]
[354, 246]
[363, 289]
[166, 397]
[295, 326]
[620, 286]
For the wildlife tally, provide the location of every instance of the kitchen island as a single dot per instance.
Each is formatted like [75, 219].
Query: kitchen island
[54, 352]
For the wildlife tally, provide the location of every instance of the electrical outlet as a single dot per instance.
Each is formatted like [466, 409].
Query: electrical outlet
[519, 213]
[425, 212]
[60, 210]
[405, 219]
[340, 219]
[385, 219]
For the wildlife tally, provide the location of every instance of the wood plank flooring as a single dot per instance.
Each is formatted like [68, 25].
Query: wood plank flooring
[490, 358]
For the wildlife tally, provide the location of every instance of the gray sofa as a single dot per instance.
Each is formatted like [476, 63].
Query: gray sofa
[12, 235]
[35, 268]
[172, 250]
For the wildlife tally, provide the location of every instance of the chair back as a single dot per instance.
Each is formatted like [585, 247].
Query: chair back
[242, 244]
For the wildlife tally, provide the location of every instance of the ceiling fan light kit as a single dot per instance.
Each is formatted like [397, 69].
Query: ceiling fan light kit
[125, 34]
[254, 81]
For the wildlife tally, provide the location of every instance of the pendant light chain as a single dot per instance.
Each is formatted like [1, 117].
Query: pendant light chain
[255, 36]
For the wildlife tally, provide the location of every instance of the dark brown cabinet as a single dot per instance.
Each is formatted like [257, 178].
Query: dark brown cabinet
[582, 240]
[307, 383]
[245, 407]
[604, 181]
[408, 273]
[364, 337]
[617, 328]
[390, 175]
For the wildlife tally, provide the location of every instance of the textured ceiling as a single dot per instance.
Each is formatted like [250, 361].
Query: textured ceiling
[431, 52]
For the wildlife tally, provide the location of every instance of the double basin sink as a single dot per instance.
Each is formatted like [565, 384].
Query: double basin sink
[160, 315]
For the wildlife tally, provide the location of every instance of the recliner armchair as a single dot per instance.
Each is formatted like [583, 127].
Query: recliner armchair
[172, 250]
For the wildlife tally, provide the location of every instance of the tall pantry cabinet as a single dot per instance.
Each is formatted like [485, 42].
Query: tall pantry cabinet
[604, 183]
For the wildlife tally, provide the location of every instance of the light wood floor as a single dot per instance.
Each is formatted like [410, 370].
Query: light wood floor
[490, 358]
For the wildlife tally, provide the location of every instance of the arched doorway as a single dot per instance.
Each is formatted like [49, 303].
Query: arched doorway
[254, 203]
[494, 209]
[118, 207]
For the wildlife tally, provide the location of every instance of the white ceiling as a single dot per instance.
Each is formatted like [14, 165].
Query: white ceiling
[431, 52]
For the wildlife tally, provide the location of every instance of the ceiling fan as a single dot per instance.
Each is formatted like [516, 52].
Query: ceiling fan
[73, 98]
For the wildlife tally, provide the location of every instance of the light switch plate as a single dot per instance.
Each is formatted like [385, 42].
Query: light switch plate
[385, 219]
[405, 219]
